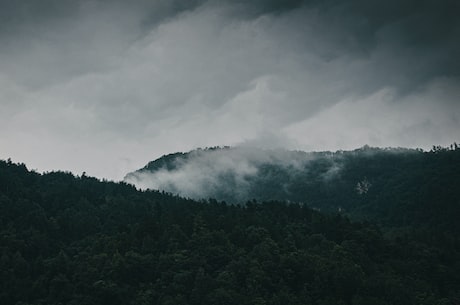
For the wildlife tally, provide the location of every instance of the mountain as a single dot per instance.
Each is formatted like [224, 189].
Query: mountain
[78, 240]
[391, 187]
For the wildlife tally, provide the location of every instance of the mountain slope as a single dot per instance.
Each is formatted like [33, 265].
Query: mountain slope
[394, 187]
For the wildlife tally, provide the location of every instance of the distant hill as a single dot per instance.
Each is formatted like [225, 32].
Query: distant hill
[393, 186]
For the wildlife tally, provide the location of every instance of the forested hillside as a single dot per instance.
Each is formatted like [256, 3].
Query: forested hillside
[391, 187]
[77, 240]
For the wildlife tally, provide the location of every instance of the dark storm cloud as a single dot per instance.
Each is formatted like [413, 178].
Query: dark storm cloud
[108, 85]
[420, 38]
[412, 41]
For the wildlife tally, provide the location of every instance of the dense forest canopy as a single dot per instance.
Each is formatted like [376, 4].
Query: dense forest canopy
[77, 240]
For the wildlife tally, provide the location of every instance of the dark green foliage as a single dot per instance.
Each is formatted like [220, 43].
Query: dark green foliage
[76, 240]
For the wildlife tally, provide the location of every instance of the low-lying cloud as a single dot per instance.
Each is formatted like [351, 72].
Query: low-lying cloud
[218, 173]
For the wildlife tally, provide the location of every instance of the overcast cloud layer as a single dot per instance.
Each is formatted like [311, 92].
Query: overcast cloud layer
[105, 86]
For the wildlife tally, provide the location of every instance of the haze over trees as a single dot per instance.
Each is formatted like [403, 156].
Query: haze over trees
[368, 183]
[384, 230]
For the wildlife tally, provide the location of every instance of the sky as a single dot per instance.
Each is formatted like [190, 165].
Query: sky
[103, 87]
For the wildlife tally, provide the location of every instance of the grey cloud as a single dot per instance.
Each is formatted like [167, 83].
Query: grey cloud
[54, 41]
[133, 80]
[421, 119]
